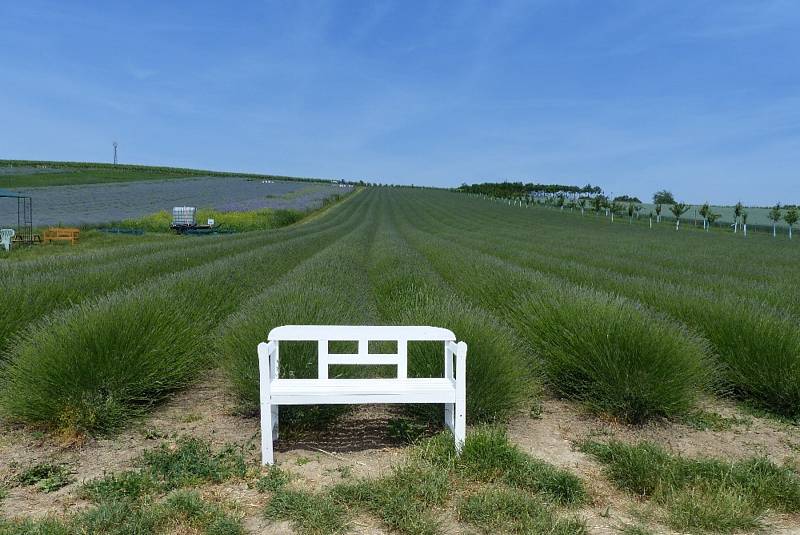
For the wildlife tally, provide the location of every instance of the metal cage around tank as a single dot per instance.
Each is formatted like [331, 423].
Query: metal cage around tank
[24, 214]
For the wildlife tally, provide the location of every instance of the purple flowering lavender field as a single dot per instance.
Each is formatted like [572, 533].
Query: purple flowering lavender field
[99, 203]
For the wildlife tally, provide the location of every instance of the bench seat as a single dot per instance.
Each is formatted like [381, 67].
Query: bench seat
[352, 391]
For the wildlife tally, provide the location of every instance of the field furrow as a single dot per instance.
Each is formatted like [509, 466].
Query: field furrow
[91, 367]
[31, 296]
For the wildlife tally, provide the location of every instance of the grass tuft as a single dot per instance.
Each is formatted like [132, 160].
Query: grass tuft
[124, 486]
[701, 494]
[719, 510]
[402, 499]
[181, 511]
[496, 510]
[188, 462]
[273, 481]
[191, 461]
[46, 477]
[309, 514]
[704, 421]
[488, 456]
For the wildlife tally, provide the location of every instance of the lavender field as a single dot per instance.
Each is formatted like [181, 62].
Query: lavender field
[100, 203]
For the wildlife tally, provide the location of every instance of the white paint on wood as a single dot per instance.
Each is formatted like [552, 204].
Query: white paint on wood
[451, 390]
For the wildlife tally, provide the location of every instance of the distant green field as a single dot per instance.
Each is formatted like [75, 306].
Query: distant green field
[29, 174]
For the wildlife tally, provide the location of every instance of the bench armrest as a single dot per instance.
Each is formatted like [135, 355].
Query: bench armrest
[455, 359]
[268, 361]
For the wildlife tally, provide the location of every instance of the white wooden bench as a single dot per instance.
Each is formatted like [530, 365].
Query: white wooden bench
[449, 390]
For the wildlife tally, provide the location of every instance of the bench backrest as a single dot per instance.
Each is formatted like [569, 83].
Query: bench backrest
[363, 335]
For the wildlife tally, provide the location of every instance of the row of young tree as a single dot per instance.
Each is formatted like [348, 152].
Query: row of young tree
[613, 207]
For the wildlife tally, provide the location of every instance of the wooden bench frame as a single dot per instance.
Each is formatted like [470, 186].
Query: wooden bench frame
[451, 390]
[61, 234]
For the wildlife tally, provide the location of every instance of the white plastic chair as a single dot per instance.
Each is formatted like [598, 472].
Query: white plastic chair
[5, 237]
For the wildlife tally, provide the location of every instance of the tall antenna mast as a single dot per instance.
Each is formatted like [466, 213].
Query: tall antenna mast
[115, 152]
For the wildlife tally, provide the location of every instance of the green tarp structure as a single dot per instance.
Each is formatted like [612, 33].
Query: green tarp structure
[13, 194]
[24, 214]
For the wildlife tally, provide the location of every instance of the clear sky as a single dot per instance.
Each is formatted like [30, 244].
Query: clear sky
[702, 98]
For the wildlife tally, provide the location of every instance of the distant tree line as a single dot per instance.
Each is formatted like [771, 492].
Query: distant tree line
[513, 190]
[627, 198]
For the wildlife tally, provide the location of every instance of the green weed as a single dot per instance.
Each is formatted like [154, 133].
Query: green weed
[404, 430]
[488, 456]
[704, 420]
[702, 494]
[188, 462]
[181, 511]
[310, 514]
[46, 477]
[124, 486]
[273, 481]
[91, 368]
[402, 499]
[191, 461]
[497, 510]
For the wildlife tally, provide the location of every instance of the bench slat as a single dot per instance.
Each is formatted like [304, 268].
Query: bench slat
[357, 359]
[347, 391]
[301, 333]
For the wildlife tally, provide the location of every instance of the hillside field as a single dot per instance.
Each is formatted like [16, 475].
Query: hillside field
[650, 335]
[34, 173]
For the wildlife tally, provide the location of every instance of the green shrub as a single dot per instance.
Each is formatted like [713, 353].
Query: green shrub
[612, 355]
[759, 350]
[284, 217]
[101, 363]
[325, 290]
[748, 314]
[607, 352]
[409, 293]
[92, 367]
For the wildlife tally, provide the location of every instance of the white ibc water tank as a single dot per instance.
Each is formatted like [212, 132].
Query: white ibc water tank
[183, 215]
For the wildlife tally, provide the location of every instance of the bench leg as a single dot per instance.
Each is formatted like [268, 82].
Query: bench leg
[460, 430]
[274, 422]
[266, 434]
[449, 413]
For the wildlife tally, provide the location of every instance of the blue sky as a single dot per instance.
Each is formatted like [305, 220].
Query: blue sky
[702, 98]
